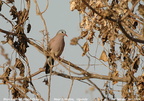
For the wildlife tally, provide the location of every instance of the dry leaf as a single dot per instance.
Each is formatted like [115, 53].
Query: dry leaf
[141, 9]
[104, 56]
[124, 91]
[20, 66]
[74, 41]
[15, 93]
[84, 34]
[124, 65]
[46, 81]
[85, 48]
[90, 37]
[13, 12]
[6, 75]
[104, 38]
[72, 5]
[115, 74]
[28, 28]
[133, 1]
[136, 64]
[99, 4]
[25, 84]
[111, 92]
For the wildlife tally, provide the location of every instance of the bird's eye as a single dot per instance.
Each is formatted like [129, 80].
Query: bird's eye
[62, 31]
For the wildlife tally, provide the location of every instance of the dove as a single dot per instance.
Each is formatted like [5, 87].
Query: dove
[55, 47]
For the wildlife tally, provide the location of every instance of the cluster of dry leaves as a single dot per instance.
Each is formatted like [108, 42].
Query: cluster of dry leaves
[17, 38]
[120, 25]
[18, 41]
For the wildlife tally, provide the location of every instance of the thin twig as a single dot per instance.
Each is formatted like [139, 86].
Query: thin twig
[29, 73]
[49, 83]
[137, 1]
[41, 16]
[6, 19]
[127, 35]
[18, 89]
[97, 88]
[70, 89]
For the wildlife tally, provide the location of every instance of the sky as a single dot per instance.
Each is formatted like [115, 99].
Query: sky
[58, 16]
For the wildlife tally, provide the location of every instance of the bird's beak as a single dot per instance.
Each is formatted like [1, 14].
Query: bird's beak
[66, 35]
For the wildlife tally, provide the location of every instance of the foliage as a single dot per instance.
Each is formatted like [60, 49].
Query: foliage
[119, 24]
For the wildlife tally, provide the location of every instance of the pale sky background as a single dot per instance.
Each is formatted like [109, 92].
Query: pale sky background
[58, 16]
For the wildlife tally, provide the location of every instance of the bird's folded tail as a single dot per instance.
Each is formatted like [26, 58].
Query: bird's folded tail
[49, 63]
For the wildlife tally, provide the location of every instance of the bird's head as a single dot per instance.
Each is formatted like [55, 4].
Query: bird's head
[62, 32]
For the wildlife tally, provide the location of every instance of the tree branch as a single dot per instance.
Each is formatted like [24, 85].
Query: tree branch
[92, 76]
[103, 97]
[113, 20]
[127, 35]
[86, 74]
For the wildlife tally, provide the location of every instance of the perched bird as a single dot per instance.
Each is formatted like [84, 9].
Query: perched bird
[55, 47]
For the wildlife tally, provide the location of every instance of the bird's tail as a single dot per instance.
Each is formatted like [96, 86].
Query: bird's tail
[49, 63]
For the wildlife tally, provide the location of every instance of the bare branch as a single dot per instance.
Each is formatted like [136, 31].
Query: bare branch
[127, 35]
[6, 19]
[41, 16]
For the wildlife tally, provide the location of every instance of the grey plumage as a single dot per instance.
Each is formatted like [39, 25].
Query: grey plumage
[55, 47]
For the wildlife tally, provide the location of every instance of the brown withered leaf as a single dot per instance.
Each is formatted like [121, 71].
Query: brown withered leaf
[19, 30]
[90, 37]
[106, 13]
[141, 9]
[125, 65]
[74, 41]
[46, 81]
[23, 48]
[6, 75]
[104, 38]
[124, 91]
[25, 84]
[111, 92]
[136, 64]
[99, 4]
[28, 28]
[13, 12]
[104, 56]
[24, 12]
[21, 45]
[85, 48]
[84, 34]
[73, 5]
[115, 74]
[15, 93]
[112, 56]
[140, 85]
[133, 1]
[20, 66]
